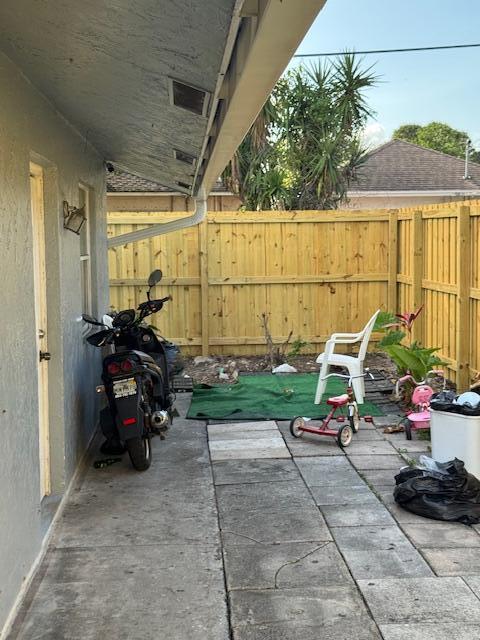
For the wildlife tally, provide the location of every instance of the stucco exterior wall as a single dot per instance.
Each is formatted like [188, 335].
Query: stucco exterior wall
[397, 202]
[31, 129]
[147, 202]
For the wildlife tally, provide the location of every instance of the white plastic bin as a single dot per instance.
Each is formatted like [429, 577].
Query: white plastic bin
[456, 436]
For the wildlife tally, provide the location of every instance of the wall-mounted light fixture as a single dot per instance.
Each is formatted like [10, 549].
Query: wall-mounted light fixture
[73, 218]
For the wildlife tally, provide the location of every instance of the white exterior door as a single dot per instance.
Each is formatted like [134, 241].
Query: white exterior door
[39, 271]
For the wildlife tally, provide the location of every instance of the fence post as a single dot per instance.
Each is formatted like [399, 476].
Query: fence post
[417, 275]
[392, 260]
[463, 298]
[203, 243]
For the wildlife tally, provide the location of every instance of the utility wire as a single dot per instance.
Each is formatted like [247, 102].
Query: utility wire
[340, 53]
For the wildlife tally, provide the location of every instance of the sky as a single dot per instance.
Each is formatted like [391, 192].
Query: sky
[415, 87]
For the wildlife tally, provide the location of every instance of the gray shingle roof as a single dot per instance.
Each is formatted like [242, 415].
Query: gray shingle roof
[403, 166]
[122, 182]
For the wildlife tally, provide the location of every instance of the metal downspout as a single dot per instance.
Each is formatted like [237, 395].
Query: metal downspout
[167, 227]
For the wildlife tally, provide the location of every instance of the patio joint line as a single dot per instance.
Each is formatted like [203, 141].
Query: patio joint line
[475, 594]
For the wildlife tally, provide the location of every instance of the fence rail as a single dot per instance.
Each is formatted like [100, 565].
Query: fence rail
[312, 272]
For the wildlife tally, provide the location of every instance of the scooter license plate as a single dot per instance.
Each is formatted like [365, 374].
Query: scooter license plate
[124, 388]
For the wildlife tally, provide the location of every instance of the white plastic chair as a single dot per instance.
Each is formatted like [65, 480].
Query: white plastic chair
[354, 364]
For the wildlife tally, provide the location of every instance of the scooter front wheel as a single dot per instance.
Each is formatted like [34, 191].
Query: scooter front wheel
[140, 452]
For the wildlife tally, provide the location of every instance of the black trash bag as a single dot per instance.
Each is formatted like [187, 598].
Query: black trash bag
[454, 495]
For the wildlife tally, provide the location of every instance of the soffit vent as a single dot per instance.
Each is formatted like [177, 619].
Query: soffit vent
[187, 97]
[185, 157]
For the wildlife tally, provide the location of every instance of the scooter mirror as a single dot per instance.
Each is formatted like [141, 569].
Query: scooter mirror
[88, 318]
[155, 277]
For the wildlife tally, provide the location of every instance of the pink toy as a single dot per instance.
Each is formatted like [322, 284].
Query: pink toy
[419, 418]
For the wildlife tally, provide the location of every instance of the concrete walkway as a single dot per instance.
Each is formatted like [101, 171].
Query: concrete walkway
[244, 532]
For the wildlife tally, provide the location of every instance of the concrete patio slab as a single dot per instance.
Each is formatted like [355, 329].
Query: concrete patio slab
[241, 427]
[284, 526]
[323, 607]
[474, 584]
[384, 537]
[363, 629]
[245, 435]
[338, 494]
[401, 562]
[443, 535]
[362, 462]
[240, 441]
[285, 566]
[421, 600]
[385, 494]
[374, 447]
[367, 435]
[107, 592]
[246, 471]
[379, 478]
[454, 562]
[413, 456]
[181, 515]
[385, 421]
[268, 513]
[261, 452]
[444, 631]
[399, 441]
[269, 497]
[335, 471]
[355, 515]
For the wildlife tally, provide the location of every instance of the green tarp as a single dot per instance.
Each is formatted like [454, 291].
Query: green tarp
[263, 397]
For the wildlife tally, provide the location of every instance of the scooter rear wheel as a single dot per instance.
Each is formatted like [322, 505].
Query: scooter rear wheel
[140, 452]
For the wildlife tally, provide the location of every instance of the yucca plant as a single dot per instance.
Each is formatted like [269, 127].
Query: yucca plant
[305, 147]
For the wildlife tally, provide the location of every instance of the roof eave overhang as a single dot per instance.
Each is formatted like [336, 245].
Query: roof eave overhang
[269, 36]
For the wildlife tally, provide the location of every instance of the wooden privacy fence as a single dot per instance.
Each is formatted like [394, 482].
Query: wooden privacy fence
[313, 272]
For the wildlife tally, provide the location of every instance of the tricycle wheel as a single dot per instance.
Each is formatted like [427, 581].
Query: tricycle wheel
[344, 436]
[295, 427]
[354, 417]
[408, 428]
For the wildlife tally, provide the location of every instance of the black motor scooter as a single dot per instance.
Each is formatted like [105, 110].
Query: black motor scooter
[136, 380]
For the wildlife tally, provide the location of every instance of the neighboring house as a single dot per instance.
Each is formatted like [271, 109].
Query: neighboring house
[127, 192]
[402, 174]
[166, 90]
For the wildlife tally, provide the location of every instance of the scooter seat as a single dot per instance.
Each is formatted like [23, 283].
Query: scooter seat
[338, 401]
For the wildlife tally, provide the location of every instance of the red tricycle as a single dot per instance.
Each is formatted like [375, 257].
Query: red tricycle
[343, 435]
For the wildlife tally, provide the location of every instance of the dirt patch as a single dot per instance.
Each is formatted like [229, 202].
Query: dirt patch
[226, 369]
